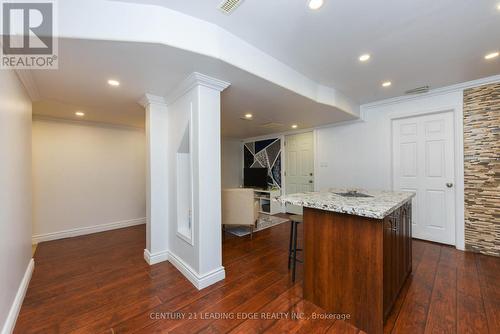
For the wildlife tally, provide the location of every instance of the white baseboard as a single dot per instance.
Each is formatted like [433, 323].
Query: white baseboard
[10, 322]
[199, 281]
[156, 257]
[86, 230]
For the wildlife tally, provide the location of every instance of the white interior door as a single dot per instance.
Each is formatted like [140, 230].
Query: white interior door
[423, 162]
[299, 166]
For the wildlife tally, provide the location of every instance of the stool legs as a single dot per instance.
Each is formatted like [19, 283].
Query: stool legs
[290, 249]
[294, 259]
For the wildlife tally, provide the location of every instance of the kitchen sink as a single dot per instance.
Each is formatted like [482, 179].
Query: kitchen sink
[353, 193]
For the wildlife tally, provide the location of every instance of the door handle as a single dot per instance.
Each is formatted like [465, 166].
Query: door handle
[449, 184]
[310, 181]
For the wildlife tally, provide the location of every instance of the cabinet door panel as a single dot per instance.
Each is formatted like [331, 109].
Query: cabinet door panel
[397, 254]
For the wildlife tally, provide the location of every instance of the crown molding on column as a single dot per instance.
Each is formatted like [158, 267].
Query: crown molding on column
[28, 81]
[196, 79]
[148, 99]
[200, 79]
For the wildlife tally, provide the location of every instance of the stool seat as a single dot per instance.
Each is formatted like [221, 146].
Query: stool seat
[297, 218]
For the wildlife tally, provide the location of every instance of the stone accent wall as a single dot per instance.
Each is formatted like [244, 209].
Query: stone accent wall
[482, 169]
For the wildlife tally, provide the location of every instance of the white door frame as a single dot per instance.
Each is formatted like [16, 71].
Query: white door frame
[284, 159]
[459, 162]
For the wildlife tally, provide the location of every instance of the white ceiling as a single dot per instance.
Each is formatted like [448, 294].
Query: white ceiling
[85, 66]
[412, 43]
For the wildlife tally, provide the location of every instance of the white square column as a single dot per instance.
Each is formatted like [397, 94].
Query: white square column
[195, 246]
[156, 179]
[209, 180]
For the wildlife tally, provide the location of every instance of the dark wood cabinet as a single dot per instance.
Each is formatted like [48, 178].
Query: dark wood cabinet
[356, 265]
[397, 254]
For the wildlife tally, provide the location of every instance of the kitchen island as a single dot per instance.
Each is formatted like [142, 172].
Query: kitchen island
[357, 251]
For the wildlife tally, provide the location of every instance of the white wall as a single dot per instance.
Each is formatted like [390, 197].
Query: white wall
[359, 154]
[15, 194]
[232, 163]
[85, 176]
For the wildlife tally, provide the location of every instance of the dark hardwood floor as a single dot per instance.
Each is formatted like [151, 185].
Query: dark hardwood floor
[100, 284]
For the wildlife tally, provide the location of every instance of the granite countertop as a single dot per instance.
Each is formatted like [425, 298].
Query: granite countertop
[378, 205]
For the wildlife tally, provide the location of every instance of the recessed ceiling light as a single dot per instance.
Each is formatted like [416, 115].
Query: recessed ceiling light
[491, 55]
[498, 6]
[315, 4]
[386, 84]
[80, 113]
[364, 57]
[294, 126]
[113, 82]
[248, 116]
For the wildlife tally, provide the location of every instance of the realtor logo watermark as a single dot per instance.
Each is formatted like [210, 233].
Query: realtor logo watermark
[28, 30]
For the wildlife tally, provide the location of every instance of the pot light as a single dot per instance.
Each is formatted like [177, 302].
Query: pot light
[364, 57]
[386, 84]
[294, 126]
[248, 116]
[491, 55]
[498, 6]
[315, 4]
[113, 82]
[80, 113]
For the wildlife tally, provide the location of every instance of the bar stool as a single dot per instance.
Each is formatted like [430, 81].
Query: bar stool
[292, 248]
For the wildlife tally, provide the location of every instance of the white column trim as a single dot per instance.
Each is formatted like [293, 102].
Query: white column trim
[154, 258]
[148, 99]
[193, 80]
[200, 281]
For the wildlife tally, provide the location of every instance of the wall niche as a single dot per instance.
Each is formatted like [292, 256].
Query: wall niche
[185, 187]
